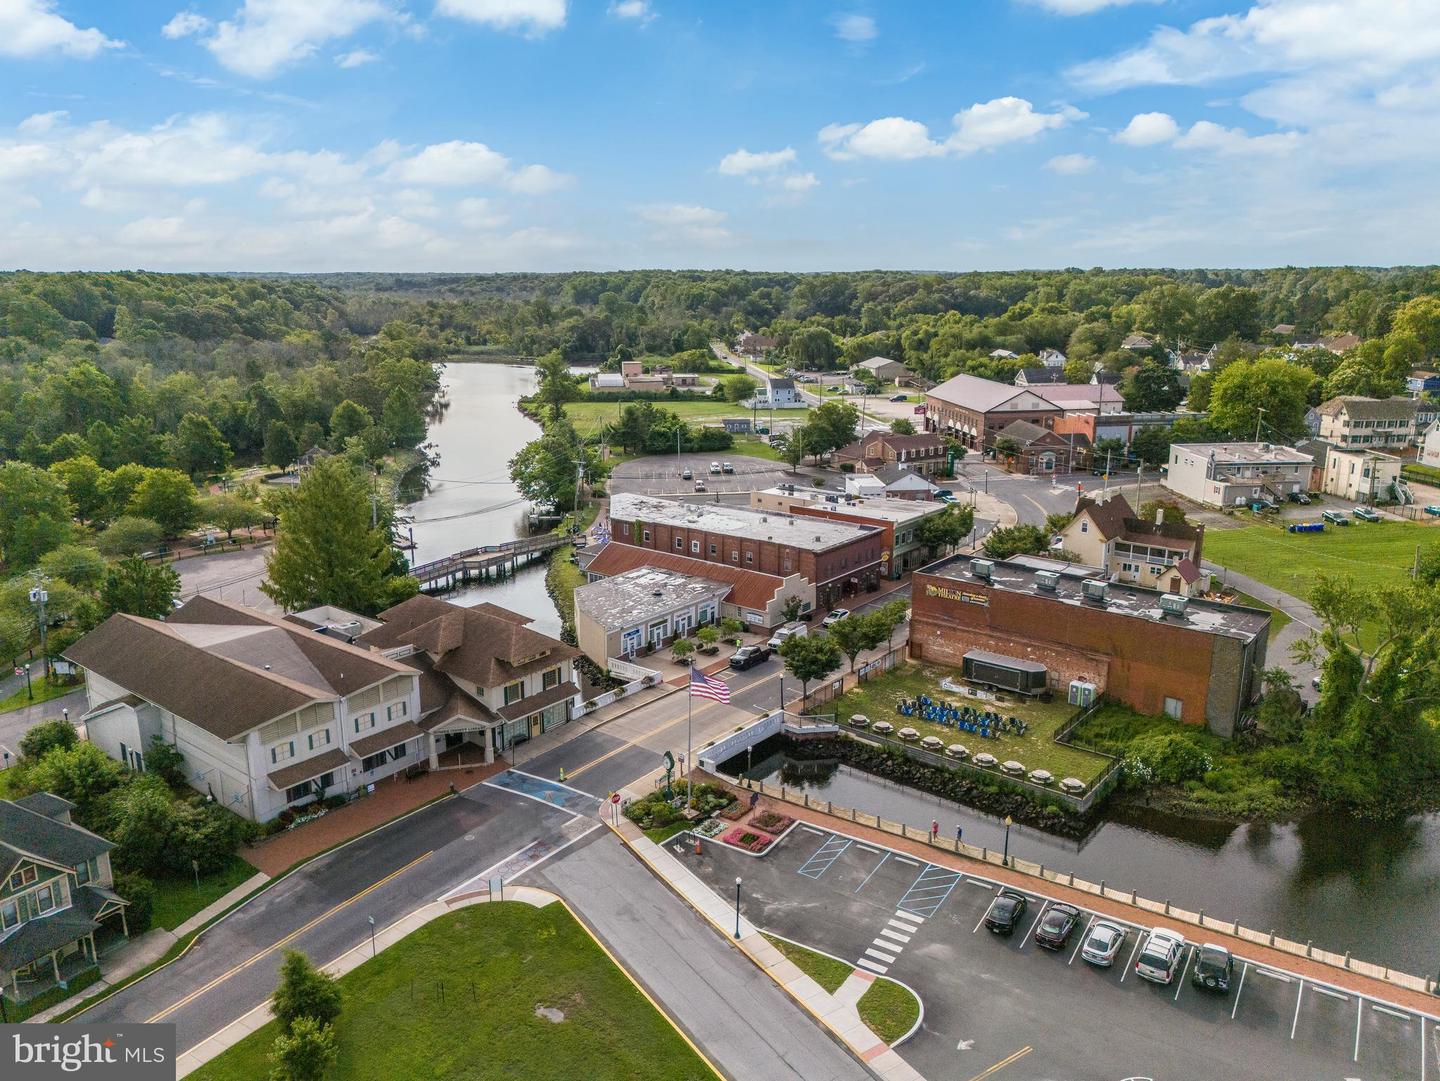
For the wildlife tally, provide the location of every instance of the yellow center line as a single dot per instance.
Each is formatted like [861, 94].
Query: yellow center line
[1002, 1063]
[193, 995]
[699, 711]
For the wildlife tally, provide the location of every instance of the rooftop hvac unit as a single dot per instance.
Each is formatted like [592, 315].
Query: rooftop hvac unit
[1095, 590]
[982, 569]
[1082, 693]
[1172, 604]
[1047, 580]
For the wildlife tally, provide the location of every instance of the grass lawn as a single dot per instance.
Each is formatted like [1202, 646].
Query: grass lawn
[44, 692]
[661, 834]
[4, 784]
[1372, 554]
[177, 899]
[754, 447]
[562, 579]
[1278, 619]
[1036, 749]
[889, 1009]
[498, 964]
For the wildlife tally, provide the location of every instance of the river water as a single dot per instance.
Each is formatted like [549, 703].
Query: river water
[471, 500]
[1366, 887]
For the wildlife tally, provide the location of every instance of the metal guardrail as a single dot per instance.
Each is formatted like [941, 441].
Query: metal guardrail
[1200, 920]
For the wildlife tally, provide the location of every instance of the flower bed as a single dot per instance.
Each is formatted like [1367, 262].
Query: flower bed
[734, 812]
[711, 827]
[772, 822]
[748, 839]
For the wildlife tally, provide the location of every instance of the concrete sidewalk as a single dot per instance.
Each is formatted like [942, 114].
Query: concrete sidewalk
[1303, 621]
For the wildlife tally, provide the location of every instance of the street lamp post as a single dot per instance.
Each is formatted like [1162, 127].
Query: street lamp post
[737, 906]
[372, 935]
[29, 691]
[1005, 860]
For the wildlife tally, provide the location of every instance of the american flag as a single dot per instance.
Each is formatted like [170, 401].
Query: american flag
[702, 686]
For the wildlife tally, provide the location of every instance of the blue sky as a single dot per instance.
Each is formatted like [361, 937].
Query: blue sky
[476, 135]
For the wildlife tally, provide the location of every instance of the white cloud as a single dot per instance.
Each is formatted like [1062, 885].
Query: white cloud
[980, 127]
[1370, 37]
[686, 223]
[356, 58]
[538, 180]
[799, 182]
[1147, 129]
[26, 161]
[856, 29]
[458, 163]
[532, 16]
[185, 24]
[1070, 164]
[152, 231]
[266, 36]
[1082, 7]
[30, 28]
[476, 213]
[39, 123]
[1208, 136]
[742, 162]
[638, 10]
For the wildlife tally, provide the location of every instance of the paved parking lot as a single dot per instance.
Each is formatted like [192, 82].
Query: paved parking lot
[1004, 1008]
[660, 475]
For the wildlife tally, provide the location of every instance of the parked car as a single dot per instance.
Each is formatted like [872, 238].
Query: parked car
[715, 469]
[1365, 514]
[785, 633]
[1334, 517]
[1056, 926]
[835, 616]
[898, 397]
[1434, 512]
[686, 474]
[726, 467]
[749, 657]
[1214, 967]
[1006, 911]
[1299, 497]
[1103, 943]
[1160, 956]
[699, 484]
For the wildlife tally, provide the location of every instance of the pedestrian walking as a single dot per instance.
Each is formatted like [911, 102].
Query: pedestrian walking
[562, 774]
[934, 830]
[959, 832]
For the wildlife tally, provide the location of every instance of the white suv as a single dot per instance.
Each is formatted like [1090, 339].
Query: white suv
[1160, 956]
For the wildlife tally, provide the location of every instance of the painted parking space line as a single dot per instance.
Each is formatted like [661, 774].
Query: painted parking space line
[1030, 934]
[1239, 989]
[1130, 964]
[1298, 999]
[824, 857]
[1079, 944]
[929, 891]
[1359, 1016]
[872, 872]
[983, 915]
[1184, 969]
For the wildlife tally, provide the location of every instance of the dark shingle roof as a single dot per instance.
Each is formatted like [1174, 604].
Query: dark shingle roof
[1109, 515]
[47, 804]
[35, 938]
[26, 832]
[1368, 408]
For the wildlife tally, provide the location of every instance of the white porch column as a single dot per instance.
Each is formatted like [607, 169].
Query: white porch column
[434, 754]
[490, 743]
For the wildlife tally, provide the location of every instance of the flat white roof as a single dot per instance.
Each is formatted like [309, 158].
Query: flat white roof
[1246, 453]
[811, 534]
[883, 508]
[623, 600]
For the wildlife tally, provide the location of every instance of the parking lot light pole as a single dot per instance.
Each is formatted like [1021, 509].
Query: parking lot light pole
[737, 906]
[1005, 859]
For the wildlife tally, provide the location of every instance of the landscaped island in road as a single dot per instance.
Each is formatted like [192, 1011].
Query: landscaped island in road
[493, 992]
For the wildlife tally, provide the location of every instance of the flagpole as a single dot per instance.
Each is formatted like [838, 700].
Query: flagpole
[689, 706]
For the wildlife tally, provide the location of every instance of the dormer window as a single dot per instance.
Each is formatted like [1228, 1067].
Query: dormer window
[514, 691]
[23, 877]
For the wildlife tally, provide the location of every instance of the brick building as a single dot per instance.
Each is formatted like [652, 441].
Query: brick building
[974, 410]
[924, 452]
[1200, 662]
[840, 559]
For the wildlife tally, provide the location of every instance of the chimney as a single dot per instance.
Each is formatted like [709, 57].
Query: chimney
[1160, 515]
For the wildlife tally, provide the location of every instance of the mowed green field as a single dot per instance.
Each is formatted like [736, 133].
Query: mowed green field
[1371, 553]
[494, 992]
[589, 416]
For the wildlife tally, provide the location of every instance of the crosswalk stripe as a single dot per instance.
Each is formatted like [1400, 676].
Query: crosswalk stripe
[888, 958]
[896, 935]
[873, 967]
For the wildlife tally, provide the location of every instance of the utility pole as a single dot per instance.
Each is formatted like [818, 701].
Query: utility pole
[1260, 413]
[1108, 455]
[39, 596]
[575, 508]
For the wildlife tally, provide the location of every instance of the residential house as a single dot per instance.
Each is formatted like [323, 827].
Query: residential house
[1052, 358]
[1283, 330]
[267, 713]
[925, 451]
[1038, 450]
[487, 680]
[1430, 446]
[1138, 343]
[1340, 343]
[1107, 533]
[973, 410]
[1421, 381]
[1353, 421]
[1190, 361]
[1003, 354]
[883, 369]
[58, 907]
[777, 393]
[754, 345]
[1235, 474]
[839, 558]
[1360, 475]
[1101, 377]
[756, 599]
[905, 482]
[642, 610]
[1035, 377]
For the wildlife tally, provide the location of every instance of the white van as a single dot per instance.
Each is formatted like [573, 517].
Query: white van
[785, 633]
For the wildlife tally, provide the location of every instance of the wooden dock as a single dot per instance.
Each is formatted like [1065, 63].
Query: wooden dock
[489, 562]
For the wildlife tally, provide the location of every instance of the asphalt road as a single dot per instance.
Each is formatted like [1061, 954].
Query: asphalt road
[661, 475]
[17, 722]
[1003, 1007]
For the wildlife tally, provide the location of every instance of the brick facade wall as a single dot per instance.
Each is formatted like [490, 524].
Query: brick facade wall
[1136, 661]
